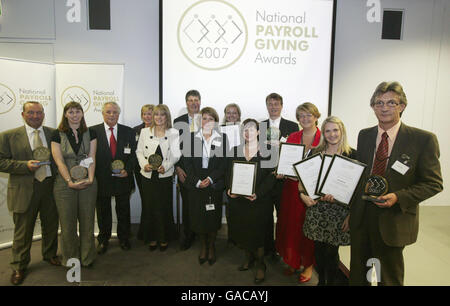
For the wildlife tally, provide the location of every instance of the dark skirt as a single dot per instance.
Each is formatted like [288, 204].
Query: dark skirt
[157, 210]
[205, 221]
[324, 221]
[248, 222]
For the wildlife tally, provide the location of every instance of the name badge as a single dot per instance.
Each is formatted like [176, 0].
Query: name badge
[216, 143]
[127, 151]
[86, 162]
[210, 207]
[400, 168]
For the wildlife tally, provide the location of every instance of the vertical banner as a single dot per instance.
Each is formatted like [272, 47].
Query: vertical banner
[91, 85]
[22, 81]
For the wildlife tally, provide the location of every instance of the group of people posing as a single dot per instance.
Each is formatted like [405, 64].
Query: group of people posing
[196, 152]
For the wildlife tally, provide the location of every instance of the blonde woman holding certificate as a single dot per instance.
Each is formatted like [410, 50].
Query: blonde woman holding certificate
[326, 221]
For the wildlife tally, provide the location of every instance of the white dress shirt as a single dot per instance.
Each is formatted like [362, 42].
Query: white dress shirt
[206, 149]
[108, 132]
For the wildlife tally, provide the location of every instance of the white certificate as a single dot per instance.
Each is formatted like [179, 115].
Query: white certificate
[326, 160]
[243, 178]
[290, 154]
[233, 134]
[342, 178]
[308, 174]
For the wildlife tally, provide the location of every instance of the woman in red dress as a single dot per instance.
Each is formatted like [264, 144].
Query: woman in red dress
[295, 249]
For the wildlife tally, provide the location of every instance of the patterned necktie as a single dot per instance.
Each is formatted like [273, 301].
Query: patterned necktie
[381, 157]
[112, 143]
[41, 173]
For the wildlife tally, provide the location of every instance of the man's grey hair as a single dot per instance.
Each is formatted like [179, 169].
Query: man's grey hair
[110, 103]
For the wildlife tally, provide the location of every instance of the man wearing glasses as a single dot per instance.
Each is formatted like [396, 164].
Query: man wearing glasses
[408, 158]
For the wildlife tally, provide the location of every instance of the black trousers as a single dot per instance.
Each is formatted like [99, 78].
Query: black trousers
[104, 217]
[367, 243]
[187, 232]
[269, 244]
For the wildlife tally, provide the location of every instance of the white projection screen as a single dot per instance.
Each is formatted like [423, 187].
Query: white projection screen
[239, 51]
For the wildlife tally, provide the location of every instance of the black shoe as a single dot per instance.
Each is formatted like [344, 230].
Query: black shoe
[246, 265]
[202, 260]
[102, 248]
[260, 267]
[186, 244]
[152, 247]
[212, 259]
[125, 245]
[17, 277]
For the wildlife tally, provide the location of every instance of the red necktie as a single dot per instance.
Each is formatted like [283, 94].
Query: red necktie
[381, 157]
[112, 143]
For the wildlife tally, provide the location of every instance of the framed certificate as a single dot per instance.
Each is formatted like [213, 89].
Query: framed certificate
[290, 154]
[342, 178]
[307, 172]
[326, 161]
[243, 178]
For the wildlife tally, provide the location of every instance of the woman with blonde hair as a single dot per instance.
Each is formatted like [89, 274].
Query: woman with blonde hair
[292, 245]
[147, 118]
[326, 221]
[159, 139]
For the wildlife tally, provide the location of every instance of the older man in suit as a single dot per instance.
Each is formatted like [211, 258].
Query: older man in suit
[275, 129]
[190, 120]
[408, 158]
[30, 189]
[115, 142]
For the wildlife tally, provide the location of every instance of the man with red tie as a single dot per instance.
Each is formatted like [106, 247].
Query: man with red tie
[408, 158]
[115, 142]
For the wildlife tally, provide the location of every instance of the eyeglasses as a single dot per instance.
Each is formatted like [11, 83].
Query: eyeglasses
[390, 104]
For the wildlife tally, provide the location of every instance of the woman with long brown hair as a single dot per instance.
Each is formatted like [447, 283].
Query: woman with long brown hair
[73, 145]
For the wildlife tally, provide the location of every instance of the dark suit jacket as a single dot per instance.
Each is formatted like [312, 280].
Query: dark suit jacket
[399, 225]
[15, 152]
[216, 164]
[107, 184]
[183, 118]
[286, 127]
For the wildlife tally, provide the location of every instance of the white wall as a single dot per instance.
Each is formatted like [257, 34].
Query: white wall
[420, 62]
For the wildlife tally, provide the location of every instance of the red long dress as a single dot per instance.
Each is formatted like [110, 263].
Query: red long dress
[291, 244]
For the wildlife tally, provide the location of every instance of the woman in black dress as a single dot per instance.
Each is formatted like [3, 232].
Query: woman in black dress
[205, 170]
[326, 221]
[249, 215]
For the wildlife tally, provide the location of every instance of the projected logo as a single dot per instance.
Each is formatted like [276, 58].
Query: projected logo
[76, 94]
[212, 34]
[7, 99]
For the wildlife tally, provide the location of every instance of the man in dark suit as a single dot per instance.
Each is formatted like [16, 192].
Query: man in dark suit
[189, 122]
[30, 189]
[275, 129]
[408, 158]
[114, 142]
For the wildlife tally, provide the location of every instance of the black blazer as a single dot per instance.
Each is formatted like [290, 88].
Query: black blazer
[216, 165]
[399, 225]
[286, 127]
[183, 118]
[107, 184]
